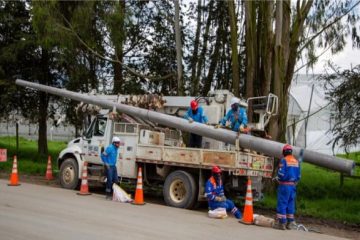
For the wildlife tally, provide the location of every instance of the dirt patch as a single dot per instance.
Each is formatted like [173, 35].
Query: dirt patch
[321, 226]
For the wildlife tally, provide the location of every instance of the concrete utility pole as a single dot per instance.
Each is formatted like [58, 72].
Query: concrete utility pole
[268, 147]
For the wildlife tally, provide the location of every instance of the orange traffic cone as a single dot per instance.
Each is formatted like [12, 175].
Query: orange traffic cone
[14, 179]
[84, 189]
[248, 216]
[139, 195]
[49, 175]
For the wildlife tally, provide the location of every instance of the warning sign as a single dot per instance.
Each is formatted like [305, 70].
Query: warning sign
[3, 155]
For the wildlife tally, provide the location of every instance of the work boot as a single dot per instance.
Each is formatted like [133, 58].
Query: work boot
[278, 225]
[291, 225]
[108, 196]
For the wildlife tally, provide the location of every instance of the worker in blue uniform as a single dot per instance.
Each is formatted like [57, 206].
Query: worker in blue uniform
[195, 113]
[288, 176]
[214, 192]
[109, 158]
[236, 117]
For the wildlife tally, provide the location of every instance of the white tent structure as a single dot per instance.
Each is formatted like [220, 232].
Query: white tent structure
[307, 98]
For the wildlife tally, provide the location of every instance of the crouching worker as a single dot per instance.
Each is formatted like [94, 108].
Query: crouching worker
[109, 157]
[214, 192]
[288, 176]
[236, 117]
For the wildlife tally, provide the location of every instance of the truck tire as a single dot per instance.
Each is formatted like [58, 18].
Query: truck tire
[180, 190]
[69, 174]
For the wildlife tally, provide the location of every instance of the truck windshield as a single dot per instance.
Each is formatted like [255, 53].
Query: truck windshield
[97, 128]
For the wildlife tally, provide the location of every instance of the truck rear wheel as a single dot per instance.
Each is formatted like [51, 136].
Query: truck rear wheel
[69, 174]
[180, 190]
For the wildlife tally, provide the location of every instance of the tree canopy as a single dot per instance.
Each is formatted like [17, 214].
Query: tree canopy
[168, 47]
[343, 92]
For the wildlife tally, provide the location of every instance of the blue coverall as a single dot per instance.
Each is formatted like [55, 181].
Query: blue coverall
[231, 116]
[109, 157]
[288, 176]
[212, 190]
[200, 117]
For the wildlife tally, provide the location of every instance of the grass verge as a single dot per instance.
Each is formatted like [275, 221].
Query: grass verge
[29, 161]
[320, 195]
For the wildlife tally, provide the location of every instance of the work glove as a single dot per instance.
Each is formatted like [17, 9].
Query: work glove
[220, 198]
[275, 179]
[190, 120]
[241, 128]
[228, 124]
[217, 126]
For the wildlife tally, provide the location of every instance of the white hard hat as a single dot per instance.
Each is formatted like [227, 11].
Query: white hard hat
[234, 100]
[116, 139]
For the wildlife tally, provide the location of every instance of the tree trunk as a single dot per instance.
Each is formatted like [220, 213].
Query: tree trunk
[42, 140]
[250, 46]
[119, 52]
[205, 41]
[92, 71]
[281, 55]
[44, 78]
[194, 60]
[277, 65]
[266, 47]
[214, 57]
[180, 81]
[234, 51]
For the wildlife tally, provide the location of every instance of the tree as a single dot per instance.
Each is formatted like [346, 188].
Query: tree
[21, 57]
[180, 82]
[343, 92]
[299, 26]
[234, 46]
[16, 53]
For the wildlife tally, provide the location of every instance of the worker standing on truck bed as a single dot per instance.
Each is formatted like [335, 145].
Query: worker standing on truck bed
[288, 176]
[236, 117]
[214, 192]
[109, 157]
[195, 113]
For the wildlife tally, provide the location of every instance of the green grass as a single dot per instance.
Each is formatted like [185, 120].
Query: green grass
[320, 195]
[29, 161]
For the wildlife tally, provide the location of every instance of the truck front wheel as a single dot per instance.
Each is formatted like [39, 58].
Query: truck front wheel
[69, 174]
[180, 190]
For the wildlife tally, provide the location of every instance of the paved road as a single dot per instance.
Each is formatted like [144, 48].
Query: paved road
[40, 212]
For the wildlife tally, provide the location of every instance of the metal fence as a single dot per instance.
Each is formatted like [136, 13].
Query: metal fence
[31, 131]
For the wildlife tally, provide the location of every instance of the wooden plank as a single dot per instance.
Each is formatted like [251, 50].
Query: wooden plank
[226, 159]
[149, 152]
[181, 155]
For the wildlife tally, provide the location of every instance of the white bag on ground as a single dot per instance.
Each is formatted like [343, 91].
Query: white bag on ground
[120, 195]
[217, 213]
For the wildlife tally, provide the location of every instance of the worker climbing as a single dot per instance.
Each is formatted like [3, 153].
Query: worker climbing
[195, 113]
[214, 192]
[288, 176]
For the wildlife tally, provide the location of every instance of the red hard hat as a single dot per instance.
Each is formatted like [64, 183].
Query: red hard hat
[287, 147]
[194, 105]
[216, 169]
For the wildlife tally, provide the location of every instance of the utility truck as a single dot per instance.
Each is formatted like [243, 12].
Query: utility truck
[153, 139]
[162, 152]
